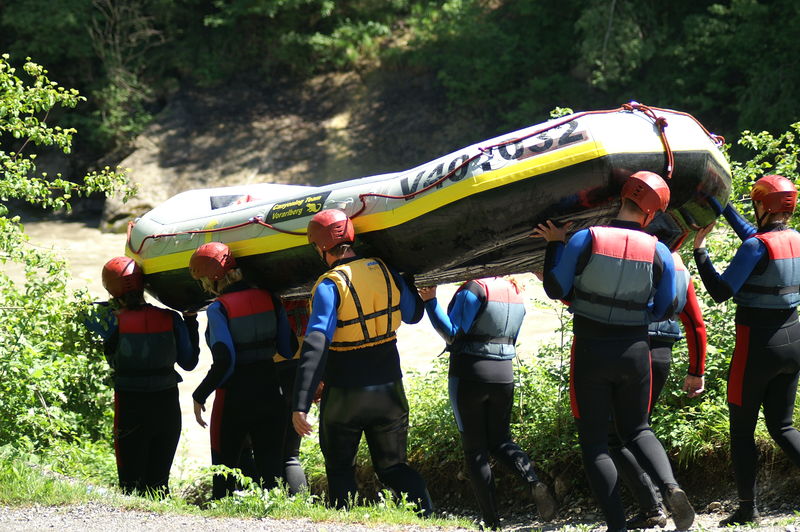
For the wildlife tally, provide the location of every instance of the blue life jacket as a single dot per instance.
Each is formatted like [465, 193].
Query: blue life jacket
[494, 330]
[779, 286]
[669, 328]
[145, 357]
[253, 323]
[616, 285]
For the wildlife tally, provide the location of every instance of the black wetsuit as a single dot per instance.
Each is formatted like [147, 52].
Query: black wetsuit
[765, 364]
[248, 406]
[293, 472]
[147, 414]
[481, 395]
[610, 373]
[363, 395]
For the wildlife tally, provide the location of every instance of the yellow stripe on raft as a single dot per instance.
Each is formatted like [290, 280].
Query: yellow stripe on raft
[525, 169]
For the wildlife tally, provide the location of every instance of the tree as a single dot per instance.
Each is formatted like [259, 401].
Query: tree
[51, 383]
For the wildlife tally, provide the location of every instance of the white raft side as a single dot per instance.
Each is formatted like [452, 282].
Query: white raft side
[640, 134]
[186, 207]
[173, 252]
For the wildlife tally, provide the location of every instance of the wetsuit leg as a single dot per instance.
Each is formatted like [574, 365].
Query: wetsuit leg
[266, 423]
[469, 402]
[228, 433]
[129, 440]
[166, 432]
[632, 474]
[340, 431]
[763, 369]
[781, 392]
[500, 398]
[632, 423]
[747, 380]
[592, 377]
[386, 431]
[294, 475]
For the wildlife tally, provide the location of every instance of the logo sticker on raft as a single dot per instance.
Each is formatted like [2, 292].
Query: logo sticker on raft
[296, 208]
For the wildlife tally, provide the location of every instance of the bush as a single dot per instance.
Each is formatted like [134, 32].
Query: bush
[52, 385]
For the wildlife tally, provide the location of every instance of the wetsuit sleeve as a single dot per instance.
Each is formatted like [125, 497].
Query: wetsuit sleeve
[187, 340]
[101, 320]
[110, 343]
[314, 351]
[459, 320]
[223, 354]
[740, 226]
[412, 307]
[286, 341]
[722, 287]
[695, 331]
[218, 373]
[560, 264]
[664, 297]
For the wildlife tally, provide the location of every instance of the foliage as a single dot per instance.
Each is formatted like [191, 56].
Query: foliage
[505, 63]
[51, 386]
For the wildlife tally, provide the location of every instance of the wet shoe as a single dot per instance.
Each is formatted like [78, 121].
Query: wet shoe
[682, 511]
[742, 516]
[544, 501]
[650, 519]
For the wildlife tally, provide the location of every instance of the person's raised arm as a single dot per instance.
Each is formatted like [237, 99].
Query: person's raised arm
[459, 319]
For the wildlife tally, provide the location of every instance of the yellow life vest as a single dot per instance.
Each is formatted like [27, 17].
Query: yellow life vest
[369, 304]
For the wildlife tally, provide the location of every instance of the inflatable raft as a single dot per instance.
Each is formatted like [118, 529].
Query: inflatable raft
[467, 214]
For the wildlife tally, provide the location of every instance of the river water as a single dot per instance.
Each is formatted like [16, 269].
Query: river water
[86, 249]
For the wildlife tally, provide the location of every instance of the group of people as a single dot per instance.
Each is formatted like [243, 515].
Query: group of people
[626, 289]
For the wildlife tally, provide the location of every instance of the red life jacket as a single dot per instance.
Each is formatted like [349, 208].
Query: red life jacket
[494, 330]
[145, 357]
[616, 285]
[253, 324]
[779, 286]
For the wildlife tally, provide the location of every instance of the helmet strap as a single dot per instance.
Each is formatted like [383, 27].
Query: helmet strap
[764, 215]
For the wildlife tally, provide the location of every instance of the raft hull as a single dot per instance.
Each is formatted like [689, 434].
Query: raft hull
[471, 224]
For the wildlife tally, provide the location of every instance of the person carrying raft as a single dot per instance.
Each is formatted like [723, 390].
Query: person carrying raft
[246, 327]
[763, 278]
[618, 280]
[142, 344]
[480, 328]
[663, 335]
[357, 305]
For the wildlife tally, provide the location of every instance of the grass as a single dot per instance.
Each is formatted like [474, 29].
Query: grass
[27, 480]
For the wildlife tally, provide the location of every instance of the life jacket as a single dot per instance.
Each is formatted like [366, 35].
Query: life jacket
[369, 304]
[616, 285]
[297, 312]
[145, 357]
[779, 286]
[253, 324]
[495, 327]
[669, 328]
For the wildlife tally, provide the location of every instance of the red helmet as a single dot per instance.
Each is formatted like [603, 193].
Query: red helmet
[212, 260]
[329, 228]
[648, 191]
[776, 193]
[122, 275]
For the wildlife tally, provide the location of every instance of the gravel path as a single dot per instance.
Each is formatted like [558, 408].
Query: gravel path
[98, 517]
